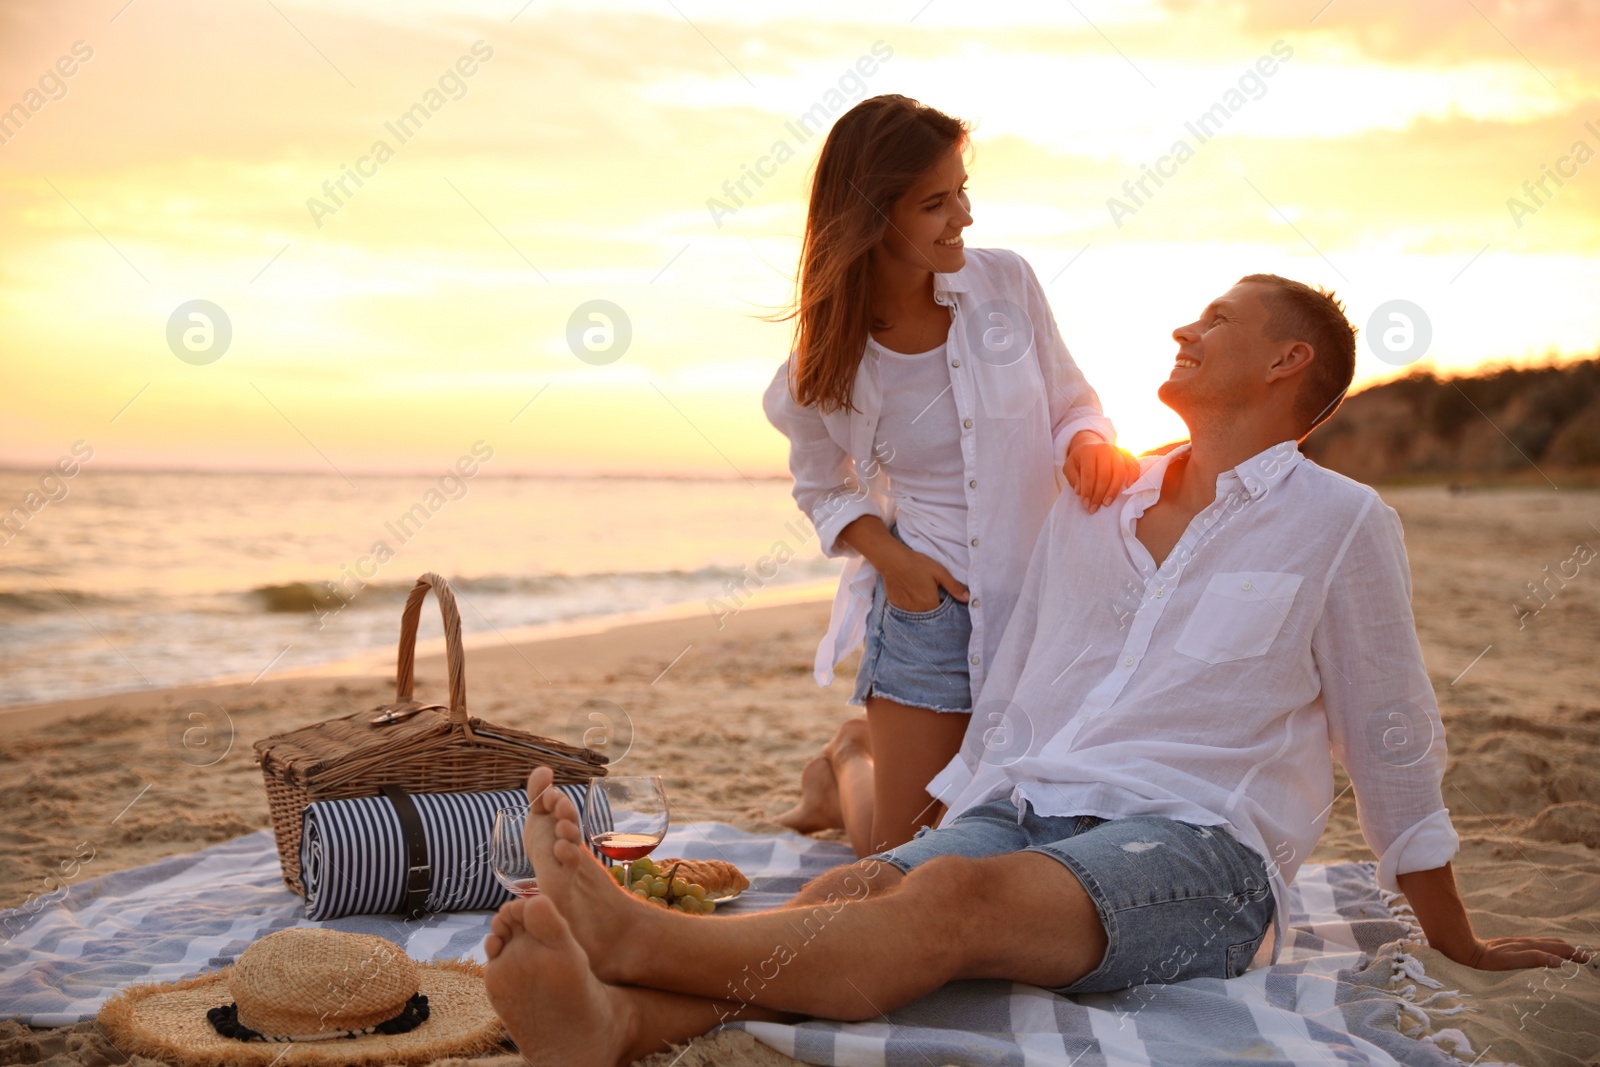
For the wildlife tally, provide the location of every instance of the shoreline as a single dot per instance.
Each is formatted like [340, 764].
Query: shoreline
[539, 633]
[381, 662]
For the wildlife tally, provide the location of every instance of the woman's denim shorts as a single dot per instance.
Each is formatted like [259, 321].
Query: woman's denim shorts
[916, 658]
[1177, 901]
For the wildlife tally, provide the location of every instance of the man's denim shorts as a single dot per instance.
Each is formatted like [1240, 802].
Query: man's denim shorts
[1177, 901]
[916, 658]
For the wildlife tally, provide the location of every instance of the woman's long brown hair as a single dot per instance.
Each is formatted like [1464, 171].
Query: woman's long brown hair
[874, 154]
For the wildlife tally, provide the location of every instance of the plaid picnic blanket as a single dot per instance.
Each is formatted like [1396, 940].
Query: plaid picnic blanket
[1331, 998]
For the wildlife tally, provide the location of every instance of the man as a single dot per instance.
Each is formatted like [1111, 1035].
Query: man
[1165, 706]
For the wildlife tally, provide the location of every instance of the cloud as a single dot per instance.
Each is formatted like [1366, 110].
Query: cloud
[590, 142]
[1554, 36]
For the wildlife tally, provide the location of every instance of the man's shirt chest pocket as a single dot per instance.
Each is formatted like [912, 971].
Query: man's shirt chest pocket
[1239, 615]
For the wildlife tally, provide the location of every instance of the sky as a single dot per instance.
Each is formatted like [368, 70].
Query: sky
[399, 215]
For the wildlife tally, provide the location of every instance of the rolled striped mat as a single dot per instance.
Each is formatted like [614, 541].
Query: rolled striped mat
[353, 852]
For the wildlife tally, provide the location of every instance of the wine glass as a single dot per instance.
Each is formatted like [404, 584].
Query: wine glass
[508, 856]
[626, 817]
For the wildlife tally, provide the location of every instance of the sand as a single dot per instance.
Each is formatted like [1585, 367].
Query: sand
[728, 716]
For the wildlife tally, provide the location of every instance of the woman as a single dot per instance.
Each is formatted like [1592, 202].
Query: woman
[932, 412]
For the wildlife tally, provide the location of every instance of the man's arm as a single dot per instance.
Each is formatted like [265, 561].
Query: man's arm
[1443, 916]
[1384, 726]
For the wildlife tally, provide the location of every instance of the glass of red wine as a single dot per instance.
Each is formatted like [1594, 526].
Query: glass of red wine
[628, 817]
[508, 856]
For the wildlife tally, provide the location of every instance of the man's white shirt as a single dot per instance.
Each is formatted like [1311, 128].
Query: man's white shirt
[1214, 688]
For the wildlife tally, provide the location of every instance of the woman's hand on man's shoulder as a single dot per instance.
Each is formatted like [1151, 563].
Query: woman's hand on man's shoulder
[1097, 471]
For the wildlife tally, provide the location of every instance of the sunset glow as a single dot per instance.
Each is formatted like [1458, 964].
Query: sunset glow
[400, 207]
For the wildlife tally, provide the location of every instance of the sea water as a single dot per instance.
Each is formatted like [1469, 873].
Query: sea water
[132, 580]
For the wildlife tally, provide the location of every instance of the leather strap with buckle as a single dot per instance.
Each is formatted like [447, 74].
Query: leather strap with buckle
[419, 875]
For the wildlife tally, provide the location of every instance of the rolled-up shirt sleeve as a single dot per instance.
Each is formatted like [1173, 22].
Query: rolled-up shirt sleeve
[1383, 720]
[825, 484]
[1074, 405]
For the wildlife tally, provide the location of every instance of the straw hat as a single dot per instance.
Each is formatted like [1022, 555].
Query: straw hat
[310, 996]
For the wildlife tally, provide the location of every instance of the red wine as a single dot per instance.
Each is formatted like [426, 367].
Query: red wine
[523, 887]
[624, 846]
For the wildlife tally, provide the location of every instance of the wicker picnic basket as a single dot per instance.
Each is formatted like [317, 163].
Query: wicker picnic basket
[422, 748]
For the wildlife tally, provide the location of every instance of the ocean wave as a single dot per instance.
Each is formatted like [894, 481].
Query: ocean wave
[36, 601]
[320, 596]
[297, 596]
[325, 595]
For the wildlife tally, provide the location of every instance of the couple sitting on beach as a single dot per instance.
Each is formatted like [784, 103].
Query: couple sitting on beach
[1164, 668]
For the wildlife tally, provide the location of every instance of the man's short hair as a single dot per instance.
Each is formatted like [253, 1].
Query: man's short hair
[1297, 312]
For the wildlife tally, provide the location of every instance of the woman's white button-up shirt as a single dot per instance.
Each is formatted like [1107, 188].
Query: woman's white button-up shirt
[1020, 398]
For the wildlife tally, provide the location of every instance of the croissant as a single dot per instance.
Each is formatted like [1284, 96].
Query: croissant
[719, 877]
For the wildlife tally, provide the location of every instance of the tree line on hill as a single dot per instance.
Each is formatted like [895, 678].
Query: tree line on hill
[1498, 422]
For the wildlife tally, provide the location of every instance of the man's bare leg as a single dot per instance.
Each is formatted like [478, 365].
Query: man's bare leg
[849, 882]
[1022, 917]
[559, 1014]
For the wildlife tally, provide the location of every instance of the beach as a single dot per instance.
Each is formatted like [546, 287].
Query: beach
[726, 711]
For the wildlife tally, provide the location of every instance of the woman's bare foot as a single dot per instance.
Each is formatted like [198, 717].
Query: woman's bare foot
[819, 800]
[540, 983]
[849, 753]
[821, 804]
[853, 739]
[601, 917]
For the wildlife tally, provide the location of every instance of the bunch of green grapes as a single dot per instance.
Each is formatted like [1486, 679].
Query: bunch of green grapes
[653, 886]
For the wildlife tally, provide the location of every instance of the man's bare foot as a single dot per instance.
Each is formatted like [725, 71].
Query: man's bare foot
[601, 917]
[819, 800]
[540, 983]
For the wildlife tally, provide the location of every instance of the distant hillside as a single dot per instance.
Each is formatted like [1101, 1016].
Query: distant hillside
[1491, 424]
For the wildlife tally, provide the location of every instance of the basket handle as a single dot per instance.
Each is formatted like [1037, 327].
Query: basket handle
[454, 656]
